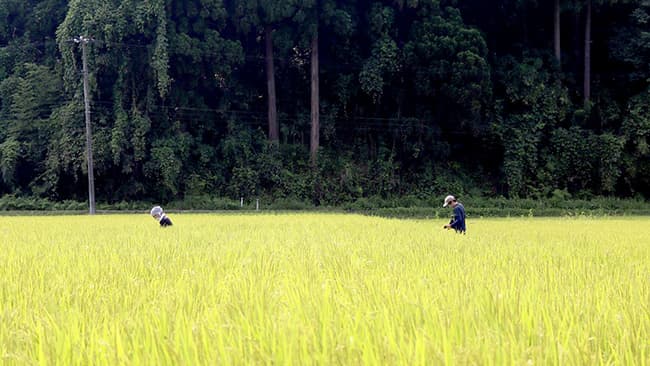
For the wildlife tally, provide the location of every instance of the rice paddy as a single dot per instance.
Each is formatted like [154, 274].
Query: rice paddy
[301, 289]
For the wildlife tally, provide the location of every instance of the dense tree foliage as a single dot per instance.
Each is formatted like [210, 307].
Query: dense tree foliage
[521, 98]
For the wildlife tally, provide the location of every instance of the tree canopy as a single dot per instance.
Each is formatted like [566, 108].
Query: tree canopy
[414, 98]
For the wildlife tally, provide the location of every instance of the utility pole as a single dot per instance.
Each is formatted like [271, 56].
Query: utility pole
[89, 139]
[315, 117]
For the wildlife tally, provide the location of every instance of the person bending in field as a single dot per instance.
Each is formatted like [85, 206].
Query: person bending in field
[458, 219]
[158, 214]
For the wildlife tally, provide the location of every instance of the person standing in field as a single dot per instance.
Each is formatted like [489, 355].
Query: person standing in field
[158, 214]
[458, 219]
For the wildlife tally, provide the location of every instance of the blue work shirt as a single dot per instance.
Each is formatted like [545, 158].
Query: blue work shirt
[458, 220]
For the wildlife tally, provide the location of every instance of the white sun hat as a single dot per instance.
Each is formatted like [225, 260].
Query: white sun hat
[157, 210]
[448, 200]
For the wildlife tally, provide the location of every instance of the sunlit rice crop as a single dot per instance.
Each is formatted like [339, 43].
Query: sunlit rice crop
[323, 289]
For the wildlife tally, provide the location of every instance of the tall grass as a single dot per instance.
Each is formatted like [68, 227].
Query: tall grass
[323, 289]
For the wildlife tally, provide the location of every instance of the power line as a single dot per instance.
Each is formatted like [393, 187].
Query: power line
[24, 45]
[333, 66]
[200, 111]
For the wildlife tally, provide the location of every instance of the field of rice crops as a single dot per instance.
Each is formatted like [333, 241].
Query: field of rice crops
[301, 289]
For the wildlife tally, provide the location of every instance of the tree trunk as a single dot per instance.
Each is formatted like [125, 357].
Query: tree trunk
[587, 78]
[576, 48]
[274, 130]
[556, 32]
[524, 24]
[315, 117]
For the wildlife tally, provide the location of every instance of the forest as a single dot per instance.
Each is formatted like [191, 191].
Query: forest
[326, 101]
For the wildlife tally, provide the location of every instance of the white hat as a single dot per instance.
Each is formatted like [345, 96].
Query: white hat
[157, 210]
[448, 200]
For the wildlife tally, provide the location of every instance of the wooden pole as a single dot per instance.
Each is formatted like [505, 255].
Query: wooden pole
[89, 140]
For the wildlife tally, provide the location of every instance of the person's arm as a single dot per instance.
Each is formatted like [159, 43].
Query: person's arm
[456, 219]
[453, 221]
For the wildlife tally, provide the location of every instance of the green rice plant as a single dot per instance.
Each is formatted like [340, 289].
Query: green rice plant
[300, 289]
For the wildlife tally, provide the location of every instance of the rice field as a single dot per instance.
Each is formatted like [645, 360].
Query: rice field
[302, 289]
